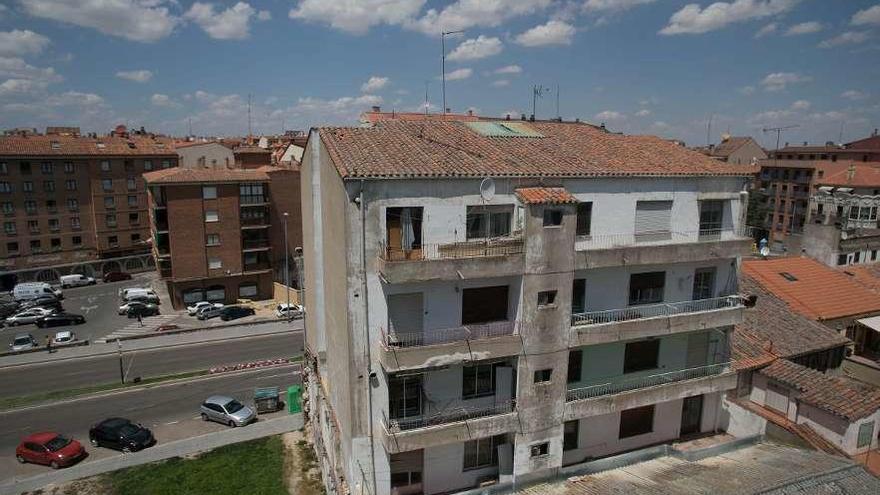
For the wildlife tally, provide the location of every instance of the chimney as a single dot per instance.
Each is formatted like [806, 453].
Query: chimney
[805, 143]
[470, 113]
[602, 126]
[448, 110]
[851, 172]
[522, 117]
[377, 109]
[532, 118]
[507, 117]
[577, 120]
[875, 132]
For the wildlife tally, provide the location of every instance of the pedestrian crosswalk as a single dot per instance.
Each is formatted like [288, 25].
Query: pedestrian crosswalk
[150, 324]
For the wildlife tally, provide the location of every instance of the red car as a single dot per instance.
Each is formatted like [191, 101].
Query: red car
[49, 448]
[116, 276]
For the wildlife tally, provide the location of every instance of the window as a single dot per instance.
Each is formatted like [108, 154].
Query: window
[5, 187]
[539, 449]
[74, 223]
[166, 163]
[570, 435]
[488, 221]
[47, 168]
[134, 219]
[8, 208]
[54, 225]
[129, 164]
[638, 421]
[24, 168]
[251, 259]
[30, 206]
[482, 452]
[215, 263]
[841, 259]
[247, 290]
[215, 293]
[107, 184]
[653, 219]
[857, 256]
[52, 206]
[544, 375]
[711, 213]
[584, 218]
[133, 201]
[105, 166]
[113, 241]
[213, 240]
[704, 283]
[76, 240]
[135, 238]
[73, 204]
[405, 396]
[131, 184]
[110, 218]
[546, 298]
[484, 304]
[552, 217]
[12, 247]
[69, 168]
[251, 194]
[27, 186]
[70, 185]
[209, 192]
[404, 479]
[35, 246]
[4, 169]
[109, 202]
[646, 288]
[211, 216]
[866, 434]
[9, 228]
[641, 356]
[578, 296]
[55, 244]
[478, 380]
[574, 365]
[148, 164]
[49, 185]
[873, 255]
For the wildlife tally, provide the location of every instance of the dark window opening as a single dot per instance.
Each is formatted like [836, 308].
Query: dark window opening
[539, 449]
[543, 375]
[478, 380]
[552, 217]
[646, 288]
[704, 283]
[484, 304]
[578, 296]
[405, 396]
[546, 298]
[584, 218]
[403, 228]
[638, 421]
[641, 356]
[570, 435]
[574, 365]
[482, 452]
[488, 221]
[711, 213]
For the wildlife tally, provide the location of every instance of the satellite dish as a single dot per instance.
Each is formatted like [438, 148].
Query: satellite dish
[487, 189]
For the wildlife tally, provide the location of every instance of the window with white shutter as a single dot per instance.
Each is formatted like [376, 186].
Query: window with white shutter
[653, 220]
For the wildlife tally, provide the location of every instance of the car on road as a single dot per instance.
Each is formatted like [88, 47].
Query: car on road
[48, 302]
[8, 308]
[60, 319]
[193, 309]
[30, 290]
[226, 410]
[123, 310]
[131, 291]
[209, 312]
[291, 310]
[49, 448]
[136, 309]
[236, 312]
[121, 434]
[76, 280]
[116, 276]
[26, 317]
[144, 298]
[23, 342]
[64, 337]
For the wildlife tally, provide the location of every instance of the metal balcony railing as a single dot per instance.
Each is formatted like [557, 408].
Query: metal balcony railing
[450, 415]
[254, 243]
[402, 339]
[456, 250]
[626, 385]
[654, 310]
[610, 241]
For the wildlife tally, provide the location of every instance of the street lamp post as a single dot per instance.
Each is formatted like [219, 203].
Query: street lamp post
[121, 367]
[286, 267]
[443, 35]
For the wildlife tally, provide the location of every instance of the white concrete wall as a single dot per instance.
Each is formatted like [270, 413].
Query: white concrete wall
[444, 470]
[837, 430]
[443, 388]
[740, 422]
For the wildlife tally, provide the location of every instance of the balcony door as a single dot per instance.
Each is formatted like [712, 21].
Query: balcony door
[704, 283]
[403, 233]
[405, 396]
[691, 415]
[406, 315]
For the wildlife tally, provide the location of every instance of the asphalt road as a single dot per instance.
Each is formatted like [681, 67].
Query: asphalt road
[61, 375]
[170, 410]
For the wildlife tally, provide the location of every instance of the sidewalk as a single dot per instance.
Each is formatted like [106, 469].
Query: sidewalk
[158, 452]
[207, 335]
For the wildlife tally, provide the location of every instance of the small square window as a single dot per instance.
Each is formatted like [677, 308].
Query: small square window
[107, 184]
[74, 223]
[12, 247]
[539, 449]
[69, 168]
[544, 375]
[27, 186]
[135, 238]
[215, 263]
[105, 166]
[148, 165]
[552, 217]
[76, 240]
[111, 220]
[54, 225]
[134, 219]
[70, 185]
[47, 168]
[113, 241]
[211, 216]
[546, 298]
[55, 244]
[209, 192]
[132, 201]
[109, 202]
[213, 240]
[49, 185]
[35, 246]
[131, 184]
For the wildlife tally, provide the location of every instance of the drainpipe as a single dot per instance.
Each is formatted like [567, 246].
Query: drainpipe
[363, 207]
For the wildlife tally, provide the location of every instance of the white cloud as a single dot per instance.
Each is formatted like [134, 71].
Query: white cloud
[15, 87]
[356, 16]
[552, 33]
[692, 19]
[22, 42]
[75, 99]
[476, 48]
[204, 96]
[16, 68]
[501, 83]
[264, 15]
[613, 5]
[643, 113]
[508, 69]
[854, 95]
[770, 117]
[609, 116]
[801, 105]
[778, 81]
[375, 83]
[867, 17]
[767, 30]
[465, 14]
[230, 24]
[459, 74]
[161, 100]
[140, 76]
[137, 20]
[747, 90]
[804, 28]
[846, 38]
[347, 108]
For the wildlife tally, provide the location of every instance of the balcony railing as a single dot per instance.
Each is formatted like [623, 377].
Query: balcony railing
[450, 415]
[255, 222]
[448, 335]
[610, 241]
[627, 385]
[254, 243]
[654, 310]
[455, 250]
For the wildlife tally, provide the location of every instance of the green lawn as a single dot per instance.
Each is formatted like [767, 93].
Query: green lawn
[255, 467]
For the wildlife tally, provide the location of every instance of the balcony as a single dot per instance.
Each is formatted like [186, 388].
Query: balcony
[452, 261]
[255, 244]
[627, 393]
[634, 322]
[413, 350]
[254, 223]
[607, 250]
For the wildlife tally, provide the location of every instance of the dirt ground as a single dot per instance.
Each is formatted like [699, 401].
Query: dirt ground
[303, 475]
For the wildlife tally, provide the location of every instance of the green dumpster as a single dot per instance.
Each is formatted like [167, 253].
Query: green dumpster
[294, 399]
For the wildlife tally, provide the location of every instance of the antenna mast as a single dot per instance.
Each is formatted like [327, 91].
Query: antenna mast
[537, 91]
[778, 131]
[250, 133]
[558, 115]
[709, 130]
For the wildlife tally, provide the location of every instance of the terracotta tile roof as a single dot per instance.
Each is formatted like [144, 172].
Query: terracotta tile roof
[545, 195]
[863, 174]
[250, 149]
[178, 175]
[373, 117]
[772, 329]
[397, 149]
[729, 145]
[84, 146]
[818, 291]
[867, 276]
[839, 395]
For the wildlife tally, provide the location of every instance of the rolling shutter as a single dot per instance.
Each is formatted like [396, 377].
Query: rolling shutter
[653, 217]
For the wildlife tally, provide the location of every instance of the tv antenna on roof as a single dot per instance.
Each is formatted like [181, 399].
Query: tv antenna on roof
[538, 91]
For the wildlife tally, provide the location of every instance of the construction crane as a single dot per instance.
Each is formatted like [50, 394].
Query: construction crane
[778, 131]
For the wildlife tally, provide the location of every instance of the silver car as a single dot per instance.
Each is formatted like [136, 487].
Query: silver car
[23, 342]
[226, 410]
[27, 316]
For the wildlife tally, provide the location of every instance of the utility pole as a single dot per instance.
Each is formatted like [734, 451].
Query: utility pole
[778, 131]
[287, 266]
[558, 115]
[426, 98]
[249, 116]
[709, 131]
[121, 368]
[443, 35]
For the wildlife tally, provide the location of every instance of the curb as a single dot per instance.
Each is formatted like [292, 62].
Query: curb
[187, 330]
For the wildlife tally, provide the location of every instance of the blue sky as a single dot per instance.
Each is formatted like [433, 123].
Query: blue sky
[641, 66]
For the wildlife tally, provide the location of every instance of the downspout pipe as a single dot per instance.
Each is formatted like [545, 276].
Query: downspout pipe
[367, 353]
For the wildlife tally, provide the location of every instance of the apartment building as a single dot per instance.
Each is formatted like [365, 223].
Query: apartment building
[490, 301]
[219, 233]
[68, 201]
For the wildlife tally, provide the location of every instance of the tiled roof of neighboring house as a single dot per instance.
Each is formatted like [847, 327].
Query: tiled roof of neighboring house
[772, 329]
[250, 149]
[178, 175]
[84, 146]
[867, 276]
[728, 146]
[545, 195]
[839, 395]
[397, 149]
[373, 117]
[849, 173]
[868, 143]
[813, 289]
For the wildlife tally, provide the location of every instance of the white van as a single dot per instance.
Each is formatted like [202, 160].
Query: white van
[135, 291]
[77, 280]
[30, 290]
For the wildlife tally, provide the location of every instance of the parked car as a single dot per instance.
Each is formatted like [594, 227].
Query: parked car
[26, 317]
[116, 276]
[131, 291]
[123, 310]
[235, 312]
[144, 298]
[8, 308]
[30, 290]
[193, 309]
[60, 319]
[284, 310]
[64, 337]
[48, 302]
[209, 312]
[143, 310]
[226, 410]
[121, 434]
[23, 342]
[49, 448]
[76, 280]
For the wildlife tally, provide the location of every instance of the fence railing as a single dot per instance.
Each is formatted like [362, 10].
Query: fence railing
[254, 243]
[449, 415]
[402, 339]
[654, 310]
[659, 238]
[626, 385]
[455, 250]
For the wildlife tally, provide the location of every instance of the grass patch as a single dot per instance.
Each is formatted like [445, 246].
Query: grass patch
[309, 482]
[254, 467]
